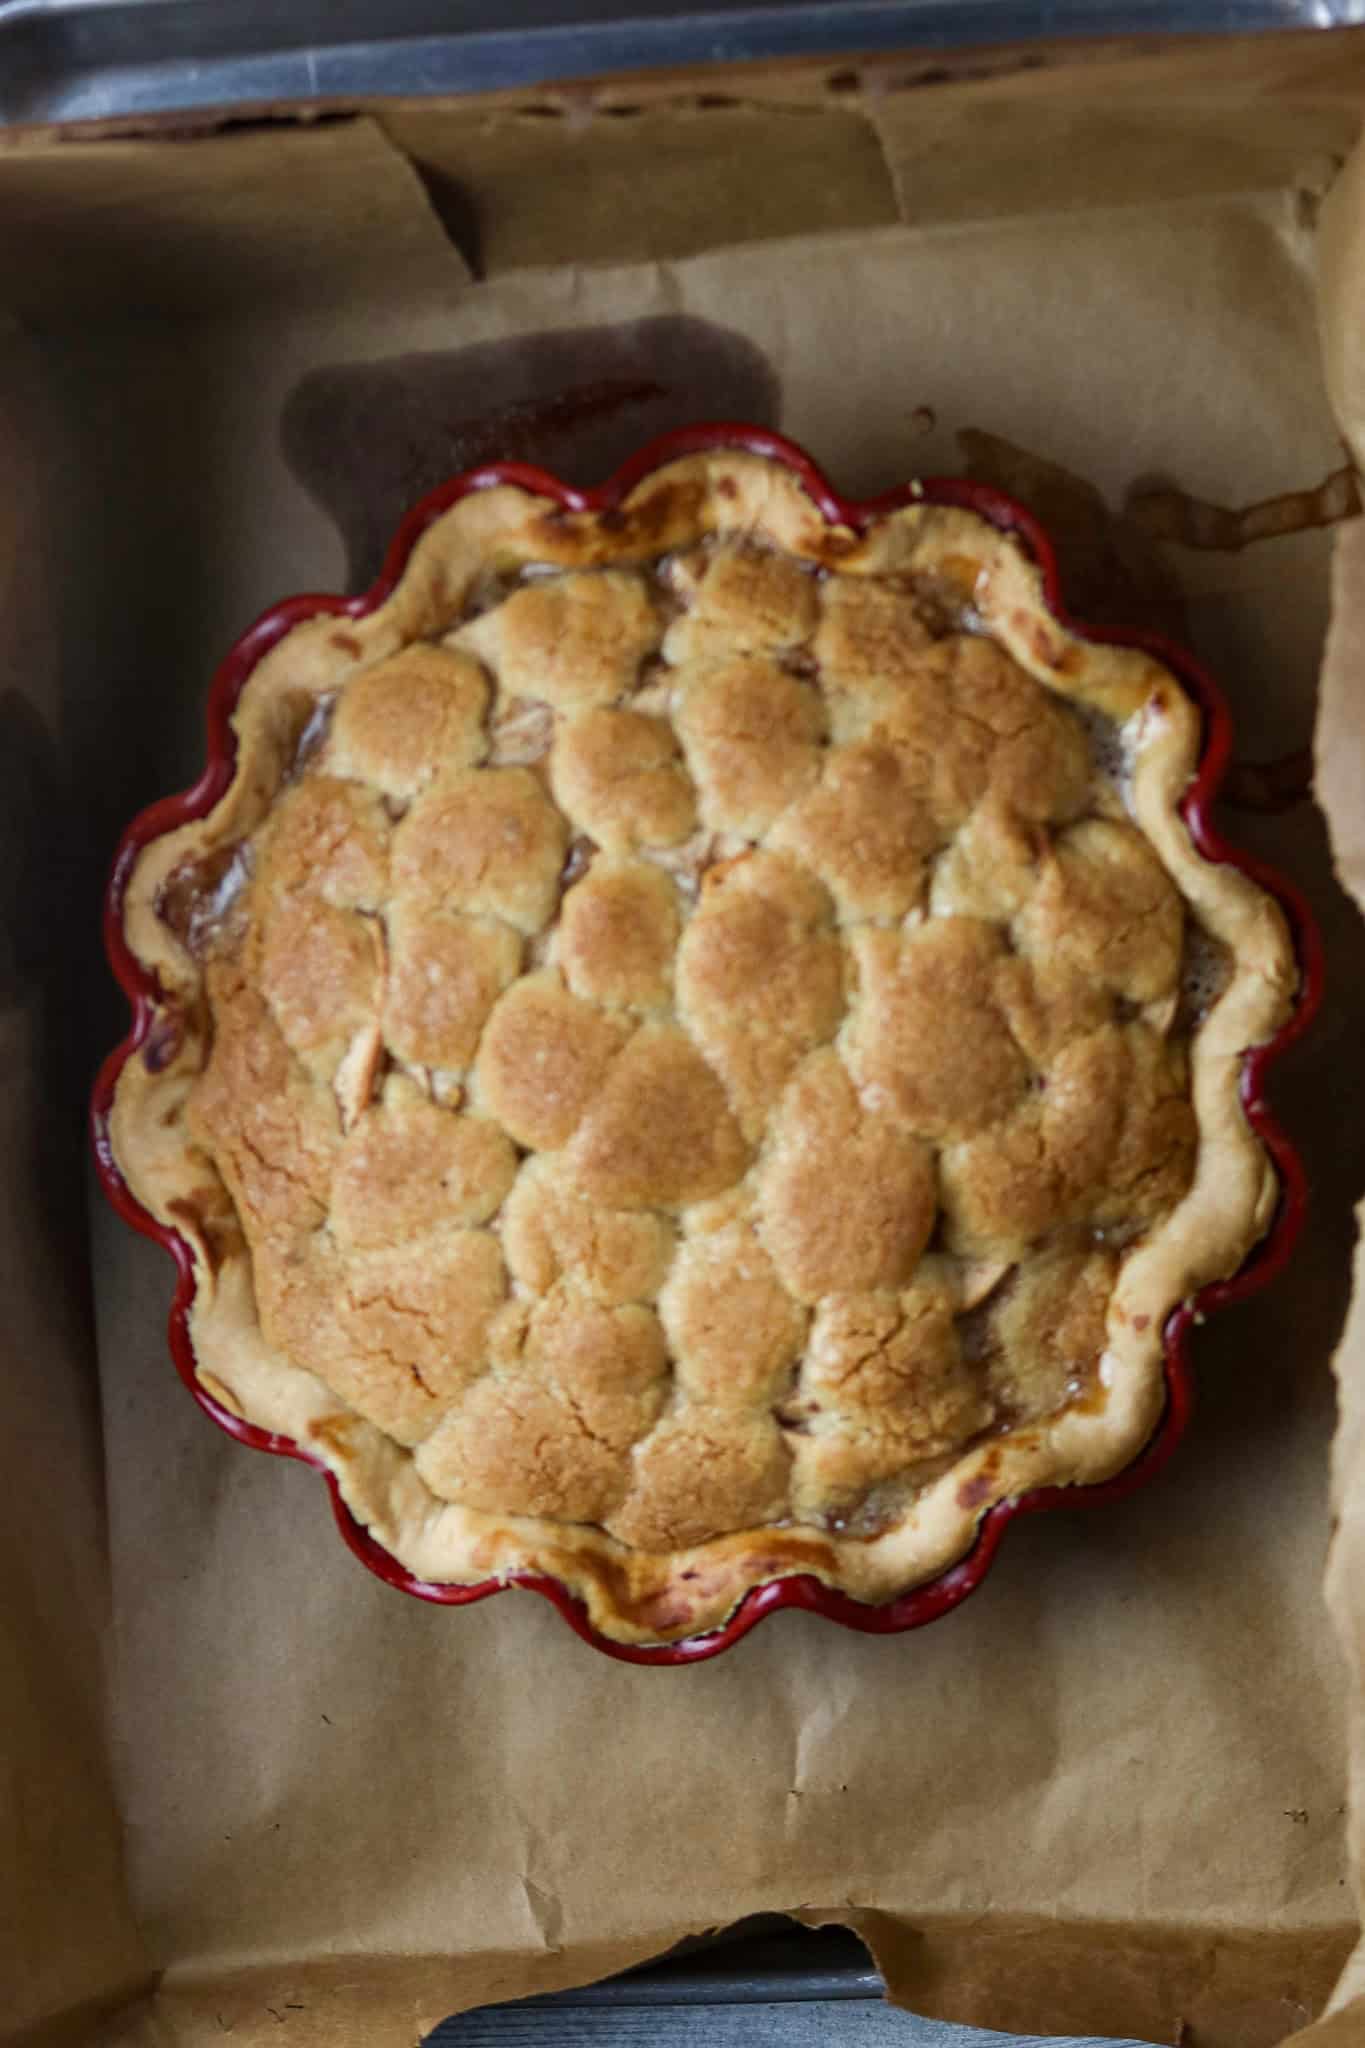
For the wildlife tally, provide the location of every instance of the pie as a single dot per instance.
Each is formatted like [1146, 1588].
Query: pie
[697, 1045]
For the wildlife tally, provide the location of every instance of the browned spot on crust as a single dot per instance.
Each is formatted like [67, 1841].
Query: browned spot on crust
[797, 1553]
[185, 1211]
[983, 1485]
[345, 642]
[209, 1217]
[334, 1433]
[674, 507]
[976, 1491]
[963, 570]
[667, 1613]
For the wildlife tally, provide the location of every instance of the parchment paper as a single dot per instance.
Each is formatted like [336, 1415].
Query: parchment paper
[60, 1849]
[1108, 1794]
[1340, 748]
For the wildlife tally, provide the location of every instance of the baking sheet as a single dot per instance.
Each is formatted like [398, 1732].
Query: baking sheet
[82, 60]
[1064, 1806]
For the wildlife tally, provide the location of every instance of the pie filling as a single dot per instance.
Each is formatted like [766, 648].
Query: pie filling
[675, 1038]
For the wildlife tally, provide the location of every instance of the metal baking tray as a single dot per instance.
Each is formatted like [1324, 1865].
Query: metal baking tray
[737, 1986]
[136, 60]
[764, 1984]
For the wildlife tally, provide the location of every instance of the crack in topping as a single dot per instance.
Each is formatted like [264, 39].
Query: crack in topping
[520, 733]
[200, 900]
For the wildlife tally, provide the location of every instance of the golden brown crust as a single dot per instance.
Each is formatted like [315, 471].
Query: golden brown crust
[681, 1075]
[620, 774]
[870, 1234]
[409, 719]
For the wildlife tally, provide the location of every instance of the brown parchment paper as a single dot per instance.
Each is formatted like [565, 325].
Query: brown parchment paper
[1340, 751]
[60, 1850]
[1108, 1794]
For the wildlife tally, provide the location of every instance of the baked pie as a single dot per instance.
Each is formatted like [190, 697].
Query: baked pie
[696, 1045]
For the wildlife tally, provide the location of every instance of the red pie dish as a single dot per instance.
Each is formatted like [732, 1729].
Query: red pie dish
[696, 1049]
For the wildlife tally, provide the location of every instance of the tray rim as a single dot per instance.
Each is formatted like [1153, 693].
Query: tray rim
[66, 62]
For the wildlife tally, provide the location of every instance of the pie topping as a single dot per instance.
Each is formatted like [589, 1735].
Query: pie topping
[692, 1044]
